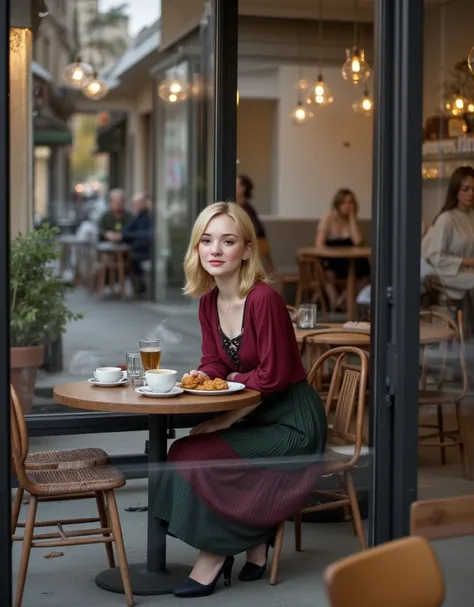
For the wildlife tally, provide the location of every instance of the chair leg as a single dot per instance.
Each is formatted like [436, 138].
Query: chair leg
[441, 433]
[99, 497]
[25, 553]
[16, 508]
[463, 446]
[277, 553]
[351, 492]
[298, 532]
[122, 557]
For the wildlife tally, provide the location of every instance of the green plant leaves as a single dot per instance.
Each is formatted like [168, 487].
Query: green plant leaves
[38, 309]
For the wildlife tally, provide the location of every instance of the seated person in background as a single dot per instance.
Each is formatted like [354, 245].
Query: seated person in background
[364, 296]
[448, 246]
[139, 235]
[116, 218]
[339, 228]
[244, 193]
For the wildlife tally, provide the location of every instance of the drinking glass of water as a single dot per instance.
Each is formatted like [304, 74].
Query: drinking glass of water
[134, 368]
[307, 315]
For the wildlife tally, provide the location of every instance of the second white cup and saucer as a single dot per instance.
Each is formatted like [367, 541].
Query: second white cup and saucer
[108, 377]
[160, 384]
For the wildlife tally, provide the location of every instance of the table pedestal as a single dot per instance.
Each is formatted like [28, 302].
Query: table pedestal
[144, 582]
[155, 576]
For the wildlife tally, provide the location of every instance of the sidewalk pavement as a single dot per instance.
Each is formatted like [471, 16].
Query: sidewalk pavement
[112, 327]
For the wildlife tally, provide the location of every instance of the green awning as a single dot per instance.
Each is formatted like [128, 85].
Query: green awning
[52, 137]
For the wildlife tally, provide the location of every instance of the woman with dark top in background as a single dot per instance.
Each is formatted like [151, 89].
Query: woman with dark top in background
[271, 448]
[244, 194]
[339, 228]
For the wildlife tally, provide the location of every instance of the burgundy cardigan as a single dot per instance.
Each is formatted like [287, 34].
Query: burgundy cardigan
[269, 354]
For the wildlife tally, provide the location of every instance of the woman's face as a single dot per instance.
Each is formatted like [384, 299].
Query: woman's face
[221, 248]
[347, 207]
[240, 192]
[466, 194]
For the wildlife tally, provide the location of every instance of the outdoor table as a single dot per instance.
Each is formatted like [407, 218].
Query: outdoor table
[154, 576]
[352, 254]
[335, 334]
[113, 256]
[74, 252]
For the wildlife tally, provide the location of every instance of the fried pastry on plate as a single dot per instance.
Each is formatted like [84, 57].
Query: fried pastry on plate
[220, 384]
[192, 382]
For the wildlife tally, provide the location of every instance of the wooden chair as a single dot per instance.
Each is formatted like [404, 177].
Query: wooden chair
[51, 460]
[310, 282]
[62, 484]
[313, 351]
[448, 355]
[403, 573]
[443, 518]
[344, 448]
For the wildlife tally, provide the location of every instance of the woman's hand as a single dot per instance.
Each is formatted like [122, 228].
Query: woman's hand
[194, 373]
[231, 376]
[212, 425]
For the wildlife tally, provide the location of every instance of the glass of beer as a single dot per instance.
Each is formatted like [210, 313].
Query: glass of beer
[150, 353]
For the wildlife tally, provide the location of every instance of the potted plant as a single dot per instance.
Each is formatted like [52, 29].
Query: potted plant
[38, 309]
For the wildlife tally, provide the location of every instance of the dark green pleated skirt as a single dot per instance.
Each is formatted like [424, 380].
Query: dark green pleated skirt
[225, 492]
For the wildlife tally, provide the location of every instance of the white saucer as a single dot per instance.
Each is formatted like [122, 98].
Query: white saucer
[146, 391]
[101, 384]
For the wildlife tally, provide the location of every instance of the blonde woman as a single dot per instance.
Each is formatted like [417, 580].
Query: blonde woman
[248, 337]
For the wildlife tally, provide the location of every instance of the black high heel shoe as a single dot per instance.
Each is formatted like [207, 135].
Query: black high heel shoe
[251, 572]
[192, 589]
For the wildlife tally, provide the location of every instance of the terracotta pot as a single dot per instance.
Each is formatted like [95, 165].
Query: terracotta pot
[24, 363]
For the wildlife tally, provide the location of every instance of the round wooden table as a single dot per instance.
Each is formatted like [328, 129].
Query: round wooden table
[154, 576]
[349, 253]
[336, 335]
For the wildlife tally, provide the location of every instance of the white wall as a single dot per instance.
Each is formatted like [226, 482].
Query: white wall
[312, 161]
[256, 148]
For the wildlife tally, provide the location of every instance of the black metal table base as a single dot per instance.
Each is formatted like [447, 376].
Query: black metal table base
[144, 583]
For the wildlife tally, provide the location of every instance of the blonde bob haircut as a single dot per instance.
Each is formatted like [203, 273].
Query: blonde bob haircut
[198, 280]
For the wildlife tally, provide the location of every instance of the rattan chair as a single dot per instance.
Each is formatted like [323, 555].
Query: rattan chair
[61, 484]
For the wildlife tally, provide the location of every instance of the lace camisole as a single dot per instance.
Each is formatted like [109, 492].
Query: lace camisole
[232, 346]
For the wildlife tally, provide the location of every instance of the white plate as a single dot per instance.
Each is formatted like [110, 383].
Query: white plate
[146, 391]
[233, 387]
[101, 384]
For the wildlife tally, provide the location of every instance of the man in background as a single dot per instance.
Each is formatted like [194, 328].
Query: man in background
[139, 235]
[116, 219]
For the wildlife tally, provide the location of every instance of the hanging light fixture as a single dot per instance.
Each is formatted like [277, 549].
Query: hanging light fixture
[77, 73]
[95, 88]
[470, 60]
[457, 105]
[173, 90]
[301, 114]
[319, 95]
[355, 68]
[365, 105]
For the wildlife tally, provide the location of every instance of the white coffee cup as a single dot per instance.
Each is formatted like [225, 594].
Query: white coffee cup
[108, 375]
[161, 380]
